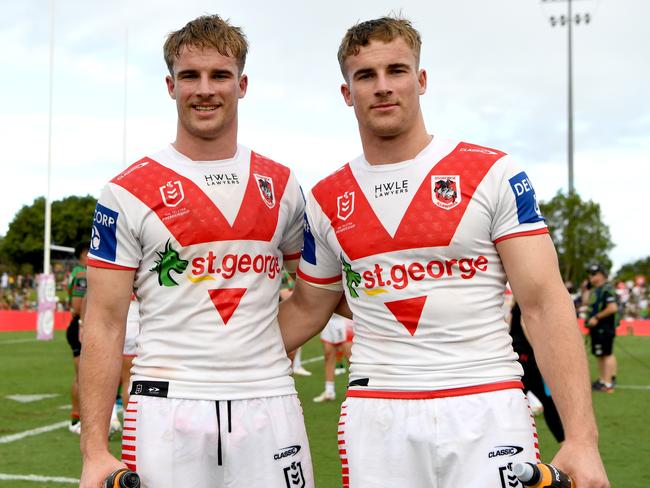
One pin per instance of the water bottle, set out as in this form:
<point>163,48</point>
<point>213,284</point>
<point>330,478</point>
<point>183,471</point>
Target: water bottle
<point>122,478</point>
<point>542,476</point>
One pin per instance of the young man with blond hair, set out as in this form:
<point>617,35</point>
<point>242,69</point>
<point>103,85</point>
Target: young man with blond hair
<point>201,231</point>
<point>421,233</point>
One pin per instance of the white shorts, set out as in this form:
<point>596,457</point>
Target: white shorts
<point>254,443</point>
<point>335,331</point>
<point>132,329</point>
<point>470,440</point>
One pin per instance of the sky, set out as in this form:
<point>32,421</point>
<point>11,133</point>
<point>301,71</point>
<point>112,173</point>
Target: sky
<point>497,76</point>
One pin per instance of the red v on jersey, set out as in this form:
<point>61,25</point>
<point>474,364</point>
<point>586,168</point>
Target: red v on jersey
<point>424,224</point>
<point>190,215</point>
<point>226,301</point>
<point>408,312</point>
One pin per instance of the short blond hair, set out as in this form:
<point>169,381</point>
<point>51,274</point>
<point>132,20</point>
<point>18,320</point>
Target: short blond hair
<point>384,29</point>
<point>207,31</point>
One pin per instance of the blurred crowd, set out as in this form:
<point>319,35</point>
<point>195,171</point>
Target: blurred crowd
<point>634,298</point>
<point>18,292</point>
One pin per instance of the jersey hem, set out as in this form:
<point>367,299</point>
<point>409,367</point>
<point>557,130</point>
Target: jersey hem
<point>520,234</point>
<point>425,395</point>
<point>219,391</point>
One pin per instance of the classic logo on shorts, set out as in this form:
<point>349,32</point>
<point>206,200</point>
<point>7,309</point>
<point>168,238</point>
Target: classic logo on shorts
<point>168,260</point>
<point>445,191</point>
<point>265,185</point>
<point>286,451</point>
<point>345,205</point>
<point>505,451</point>
<point>293,476</point>
<point>172,193</point>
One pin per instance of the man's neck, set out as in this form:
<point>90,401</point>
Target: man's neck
<point>198,149</point>
<point>389,150</point>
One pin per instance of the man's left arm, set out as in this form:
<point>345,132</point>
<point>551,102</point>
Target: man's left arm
<point>532,268</point>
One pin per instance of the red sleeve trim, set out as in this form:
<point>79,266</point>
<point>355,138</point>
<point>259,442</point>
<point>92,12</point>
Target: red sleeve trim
<point>291,257</point>
<point>520,234</point>
<point>426,395</point>
<point>317,281</point>
<point>95,263</point>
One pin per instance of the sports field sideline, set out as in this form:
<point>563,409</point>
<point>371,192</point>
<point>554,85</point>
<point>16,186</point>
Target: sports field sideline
<point>36,449</point>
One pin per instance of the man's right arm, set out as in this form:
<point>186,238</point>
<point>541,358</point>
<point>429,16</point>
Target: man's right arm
<point>305,313</point>
<point>109,295</point>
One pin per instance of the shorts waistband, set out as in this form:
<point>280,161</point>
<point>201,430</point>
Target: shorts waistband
<point>150,388</point>
<point>425,395</point>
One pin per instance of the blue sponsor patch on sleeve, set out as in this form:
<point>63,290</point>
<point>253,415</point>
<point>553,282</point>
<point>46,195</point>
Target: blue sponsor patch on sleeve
<point>103,242</point>
<point>528,210</point>
<point>309,243</point>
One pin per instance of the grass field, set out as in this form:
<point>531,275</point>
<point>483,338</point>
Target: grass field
<point>38,368</point>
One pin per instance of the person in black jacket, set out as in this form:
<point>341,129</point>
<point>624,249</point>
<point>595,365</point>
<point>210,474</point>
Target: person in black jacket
<point>532,378</point>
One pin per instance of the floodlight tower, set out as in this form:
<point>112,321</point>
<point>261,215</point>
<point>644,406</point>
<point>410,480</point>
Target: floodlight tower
<point>561,21</point>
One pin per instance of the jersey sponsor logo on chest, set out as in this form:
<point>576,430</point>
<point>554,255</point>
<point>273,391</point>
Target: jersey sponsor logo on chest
<point>445,191</point>
<point>391,188</point>
<point>211,266</point>
<point>221,179</point>
<point>376,279</point>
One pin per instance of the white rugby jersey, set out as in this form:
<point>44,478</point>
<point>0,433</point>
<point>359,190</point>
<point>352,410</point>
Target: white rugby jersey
<point>208,241</point>
<point>412,245</point>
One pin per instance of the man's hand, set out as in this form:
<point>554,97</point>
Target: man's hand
<point>97,468</point>
<point>582,462</point>
<point>592,322</point>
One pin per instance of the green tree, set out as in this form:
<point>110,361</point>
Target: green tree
<point>579,234</point>
<point>630,270</point>
<point>71,224</point>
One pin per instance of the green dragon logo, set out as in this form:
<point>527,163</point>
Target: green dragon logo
<point>352,278</point>
<point>169,261</point>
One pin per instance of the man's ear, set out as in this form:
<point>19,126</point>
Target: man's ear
<point>347,95</point>
<point>170,86</point>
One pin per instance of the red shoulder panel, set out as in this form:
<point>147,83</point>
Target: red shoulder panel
<point>190,215</point>
<point>425,223</point>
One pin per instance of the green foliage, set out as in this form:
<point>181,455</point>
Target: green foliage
<point>630,270</point>
<point>579,234</point>
<point>71,223</point>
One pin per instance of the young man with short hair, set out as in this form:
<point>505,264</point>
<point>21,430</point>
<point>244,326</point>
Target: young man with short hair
<point>201,230</point>
<point>421,233</point>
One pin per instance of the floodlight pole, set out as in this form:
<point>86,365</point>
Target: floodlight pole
<point>570,97</point>
<point>569,20</point>
<point>48,203</point>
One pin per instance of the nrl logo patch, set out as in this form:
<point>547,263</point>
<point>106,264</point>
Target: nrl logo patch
<point>445,191</point>
<point>172,193</point>
<point>265,185</point>
<point>345,205</point>
<point>293,476</point>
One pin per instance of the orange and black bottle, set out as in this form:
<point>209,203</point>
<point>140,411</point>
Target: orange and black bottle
<point>122,478</point>
<point>542,476</point>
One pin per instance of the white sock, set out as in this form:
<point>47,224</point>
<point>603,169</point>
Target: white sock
<point>114,412</point>
<point>329,387</point>
<point>297,363</point>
